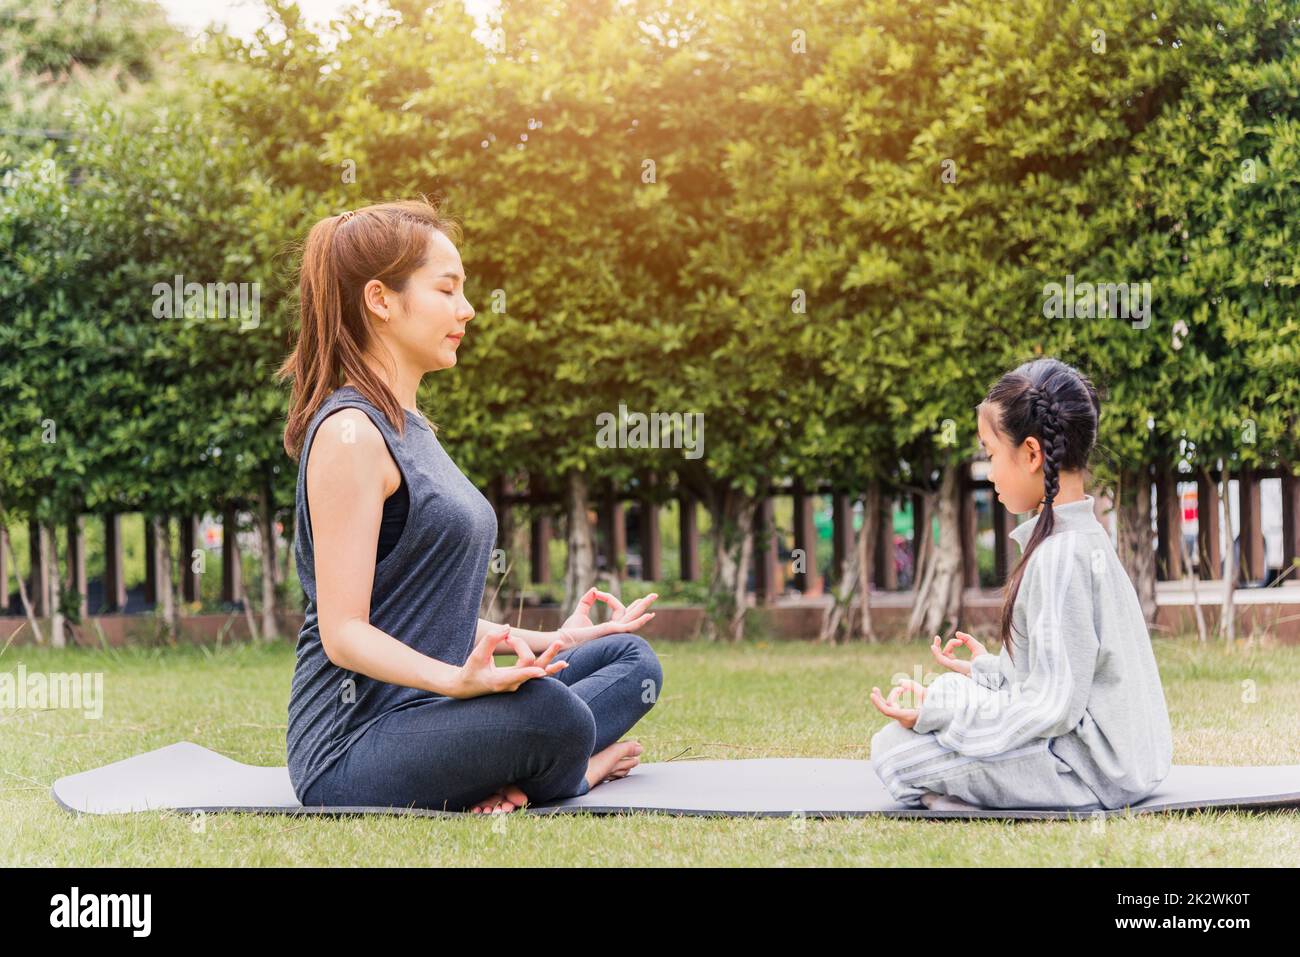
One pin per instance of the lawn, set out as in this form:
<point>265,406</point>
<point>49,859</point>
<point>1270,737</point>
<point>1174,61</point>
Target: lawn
<point>1238,705</point>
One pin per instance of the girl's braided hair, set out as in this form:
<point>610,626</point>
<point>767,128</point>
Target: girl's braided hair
<point>1057,405</point>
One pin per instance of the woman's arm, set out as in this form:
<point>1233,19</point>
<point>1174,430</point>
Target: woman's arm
<point>349,474</point>
<point>356,645</point>
<point>537,641</point>
<point>578,628</point>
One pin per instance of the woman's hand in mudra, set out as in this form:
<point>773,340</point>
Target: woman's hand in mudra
<point>579,627</point>
<point>479,675</point>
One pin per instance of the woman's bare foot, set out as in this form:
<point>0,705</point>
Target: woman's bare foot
<point>501,802</point>
<point>614,762</point>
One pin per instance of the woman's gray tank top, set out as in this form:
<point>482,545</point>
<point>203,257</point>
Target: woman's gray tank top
<point>426,591</point>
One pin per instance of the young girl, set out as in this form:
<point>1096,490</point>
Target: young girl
<point>1071,715</point>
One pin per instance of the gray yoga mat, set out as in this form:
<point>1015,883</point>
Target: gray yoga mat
<point>187,777</point>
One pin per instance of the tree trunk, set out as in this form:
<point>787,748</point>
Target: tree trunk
<point>501,566</point>
<point>580,563</point>
<point>854,579</point>
<point>839,612</point>
<point>165,594</point>
<point>289,549</point>
<point>937,600</point>
<point>1190,565</point>
<point>22,585</point>
<point>266,532</point>
<point>733,541</point>
<point>610,518</point>
<point>54,593</point>
<point>865,546</point>
<point>1136,549</point>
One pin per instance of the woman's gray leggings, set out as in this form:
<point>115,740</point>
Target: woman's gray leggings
<point>449,753</point>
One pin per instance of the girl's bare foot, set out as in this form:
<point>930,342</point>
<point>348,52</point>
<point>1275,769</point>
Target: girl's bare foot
<point>614,762</point>
<point>501,802</point>
<point>945,802</point>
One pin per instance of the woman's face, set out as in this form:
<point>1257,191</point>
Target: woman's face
<point>1015,471</point>
<point>426,320</point>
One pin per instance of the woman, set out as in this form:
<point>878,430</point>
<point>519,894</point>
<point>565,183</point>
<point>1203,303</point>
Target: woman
<point>395,698</point>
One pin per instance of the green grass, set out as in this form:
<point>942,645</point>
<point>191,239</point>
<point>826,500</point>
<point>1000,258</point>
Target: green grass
<point>1229,706</point>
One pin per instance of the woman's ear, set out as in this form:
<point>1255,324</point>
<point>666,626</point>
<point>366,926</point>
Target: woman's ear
<point>374,297</point>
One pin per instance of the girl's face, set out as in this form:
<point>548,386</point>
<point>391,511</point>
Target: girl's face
<point>427,319</point>
<point>1015,471</point>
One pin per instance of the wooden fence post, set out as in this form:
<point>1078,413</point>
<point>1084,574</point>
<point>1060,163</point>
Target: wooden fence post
<point>968,521</point>
<point>1251,532</point>
<point>4,571</point>
<point>648,533</point>
<point>1003,523</point>
<point>39,581</point>
<point>1290,524</point>
<point>920,528</point>
<point>613,524</point>
<point>767,570</point>
<point>77,564</point>
<point>232,579</point>
<point>190,589</point>
<point>539,536</point>
<point>842,537</point>
<point>805,540</point>
<point>689,534</point>
<point>1169,527</point>
<point>114,578</point>
<point>884,568</point>
<point>1207,529</point>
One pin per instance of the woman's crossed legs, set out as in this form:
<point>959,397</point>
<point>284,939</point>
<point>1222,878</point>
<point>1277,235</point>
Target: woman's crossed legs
<point>552,738</point>
<point>619,678</point>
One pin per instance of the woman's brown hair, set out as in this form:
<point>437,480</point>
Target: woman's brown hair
<point>386,241</point>
<point>1058,406</point>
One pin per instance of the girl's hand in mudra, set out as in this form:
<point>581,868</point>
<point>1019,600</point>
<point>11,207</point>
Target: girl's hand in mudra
<point>944,654</point>
<point>890,706</point>
<point>579,627</point>
<point>480,675</point>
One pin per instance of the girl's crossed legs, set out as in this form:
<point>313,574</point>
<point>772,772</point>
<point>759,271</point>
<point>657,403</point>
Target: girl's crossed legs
<point>1031,776</point>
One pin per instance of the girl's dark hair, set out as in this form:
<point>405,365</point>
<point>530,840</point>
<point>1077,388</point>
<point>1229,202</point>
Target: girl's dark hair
<point>386,241</point>
<point>1058,406</point>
